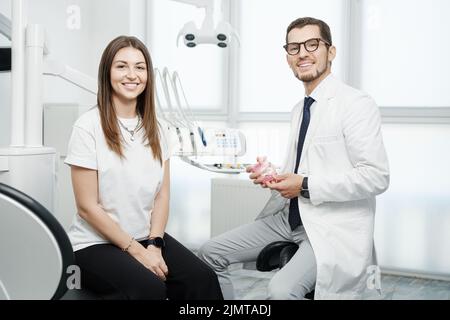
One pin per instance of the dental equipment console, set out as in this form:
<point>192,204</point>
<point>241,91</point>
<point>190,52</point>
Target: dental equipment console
<point>219,142</point>
<point>195,142</point>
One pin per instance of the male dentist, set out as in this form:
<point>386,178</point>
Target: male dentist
<point>325,199</point>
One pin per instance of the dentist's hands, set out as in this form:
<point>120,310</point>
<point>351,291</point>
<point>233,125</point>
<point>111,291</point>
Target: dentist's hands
<point>262,172</point>
<point>288,185</point>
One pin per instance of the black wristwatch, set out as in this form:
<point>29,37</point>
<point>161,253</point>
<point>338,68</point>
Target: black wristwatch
<point>305,192</point>
<point>157,242</point>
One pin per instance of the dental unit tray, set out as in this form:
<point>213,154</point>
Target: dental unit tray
<point>227,168</point>
<point>193,142</point>
<point>211,143</point>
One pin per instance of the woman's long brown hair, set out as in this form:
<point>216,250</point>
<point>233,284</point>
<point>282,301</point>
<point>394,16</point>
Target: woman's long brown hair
<point>145,107</point>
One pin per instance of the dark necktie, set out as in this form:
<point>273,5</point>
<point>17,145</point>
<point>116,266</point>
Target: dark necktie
<point>294,212</point>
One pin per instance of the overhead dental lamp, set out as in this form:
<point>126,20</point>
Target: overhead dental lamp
<point>220,34</point>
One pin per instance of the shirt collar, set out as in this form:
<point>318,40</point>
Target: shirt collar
<point>320,91</point>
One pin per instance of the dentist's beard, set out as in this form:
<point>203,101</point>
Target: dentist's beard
<point>311,76</point>
<point>308,77</point>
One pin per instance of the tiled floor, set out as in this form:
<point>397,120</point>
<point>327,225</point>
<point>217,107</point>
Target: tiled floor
<point>252,285</point>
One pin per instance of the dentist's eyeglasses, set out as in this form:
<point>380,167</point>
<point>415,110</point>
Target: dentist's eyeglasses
<point>310,45</point>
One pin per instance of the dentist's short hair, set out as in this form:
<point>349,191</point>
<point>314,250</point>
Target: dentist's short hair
<point>299,23</point>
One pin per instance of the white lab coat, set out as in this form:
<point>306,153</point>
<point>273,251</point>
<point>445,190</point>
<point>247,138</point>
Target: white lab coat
<point>345,160</point>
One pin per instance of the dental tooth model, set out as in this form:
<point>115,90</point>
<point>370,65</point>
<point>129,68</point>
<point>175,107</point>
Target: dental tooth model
<point>265,168</point>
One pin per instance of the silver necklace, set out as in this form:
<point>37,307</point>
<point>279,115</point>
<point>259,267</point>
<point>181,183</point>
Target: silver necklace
<point>131,132</point>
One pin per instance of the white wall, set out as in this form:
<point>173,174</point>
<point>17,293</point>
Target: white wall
<point>71,46</point>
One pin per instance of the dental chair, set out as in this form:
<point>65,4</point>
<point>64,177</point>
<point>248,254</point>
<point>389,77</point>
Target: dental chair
<point>275,256</point>
<point>35,251</point>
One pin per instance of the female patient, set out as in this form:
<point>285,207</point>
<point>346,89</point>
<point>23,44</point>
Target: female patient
<point>119,158</point>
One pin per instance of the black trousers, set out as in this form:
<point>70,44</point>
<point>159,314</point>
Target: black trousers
<point>114,274</point>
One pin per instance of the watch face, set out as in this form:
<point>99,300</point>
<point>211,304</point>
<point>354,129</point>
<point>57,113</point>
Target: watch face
<point>158,242</point>
<point>304,194</point>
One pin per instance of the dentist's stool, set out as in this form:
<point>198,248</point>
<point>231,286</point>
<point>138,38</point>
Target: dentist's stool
<point>276,255</point>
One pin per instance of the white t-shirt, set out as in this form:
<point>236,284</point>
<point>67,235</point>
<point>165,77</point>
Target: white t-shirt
<point>127,188</point>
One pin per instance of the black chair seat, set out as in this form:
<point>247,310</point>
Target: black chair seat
<point>269,257</point>
<point>276,255</point>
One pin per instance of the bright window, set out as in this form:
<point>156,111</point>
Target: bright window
<point>266,83</point>
<point>201,69</point>
<point>405,52</point>
<point>265,139</point>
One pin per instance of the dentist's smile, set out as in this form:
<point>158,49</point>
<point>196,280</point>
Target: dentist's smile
<point>304,65</point>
